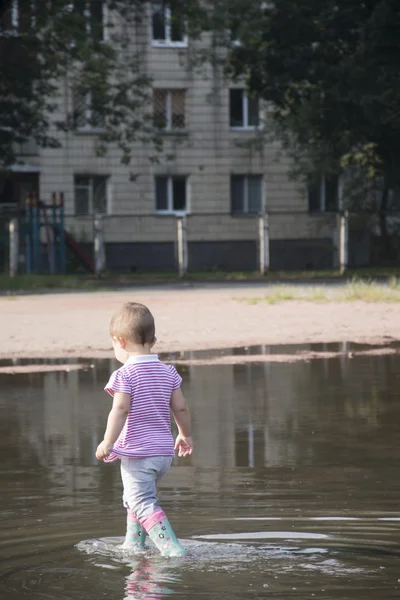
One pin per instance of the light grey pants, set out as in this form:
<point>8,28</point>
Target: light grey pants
<point>140,477</point>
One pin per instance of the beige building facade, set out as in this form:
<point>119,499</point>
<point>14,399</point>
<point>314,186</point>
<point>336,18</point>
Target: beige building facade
<point>220,176</point>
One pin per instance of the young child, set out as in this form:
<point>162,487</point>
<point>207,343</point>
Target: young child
<point>139,428</point>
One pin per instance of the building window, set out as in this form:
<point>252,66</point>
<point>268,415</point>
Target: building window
<point>27,148</point>
<point>7,195</point>
<point>94,15</point>
<point>21,15</point>
<point>91,194</point>
<point>9,17</point>
<point>98,18</point>
<point>169,109</point>
<point>87,112</point>
<point>393,199</point>
<point>15,17</point>
<point>246,194</point>
<point>324,197</point>
<point>168,29</point>
<point>171,194</point>
<point>243,109</point>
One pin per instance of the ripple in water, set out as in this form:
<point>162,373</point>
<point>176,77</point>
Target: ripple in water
<point>214,556</point>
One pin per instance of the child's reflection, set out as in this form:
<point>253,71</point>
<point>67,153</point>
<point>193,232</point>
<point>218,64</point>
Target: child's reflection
<point>147,580</point>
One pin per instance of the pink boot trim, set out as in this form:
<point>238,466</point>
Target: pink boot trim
<point>151,520</point>
<point>131,516</point>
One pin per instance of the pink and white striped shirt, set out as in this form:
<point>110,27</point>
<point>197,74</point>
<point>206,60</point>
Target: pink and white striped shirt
<point>147,429</point>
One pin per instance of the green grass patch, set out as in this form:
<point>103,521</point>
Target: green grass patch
<point>370,291</point>
<point>280,293</point>
<point>352,291</point>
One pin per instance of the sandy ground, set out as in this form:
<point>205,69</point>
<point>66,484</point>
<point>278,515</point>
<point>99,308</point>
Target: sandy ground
<point>187,318</point>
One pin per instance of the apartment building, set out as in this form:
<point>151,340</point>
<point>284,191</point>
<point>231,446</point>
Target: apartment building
<point>222,173</point>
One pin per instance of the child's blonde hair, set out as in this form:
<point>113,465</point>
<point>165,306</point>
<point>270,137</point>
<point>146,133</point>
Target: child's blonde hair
<point>133,323</point>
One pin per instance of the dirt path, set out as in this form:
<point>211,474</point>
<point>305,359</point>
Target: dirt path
<point>187,318</point>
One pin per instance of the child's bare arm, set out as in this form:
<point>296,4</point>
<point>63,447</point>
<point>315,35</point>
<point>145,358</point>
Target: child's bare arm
<point>180,410</point>
<point>115,423</point>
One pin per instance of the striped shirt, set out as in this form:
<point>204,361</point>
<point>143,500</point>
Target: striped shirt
<point>147,429</point>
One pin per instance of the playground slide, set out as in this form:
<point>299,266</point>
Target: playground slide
<point>78,251</point>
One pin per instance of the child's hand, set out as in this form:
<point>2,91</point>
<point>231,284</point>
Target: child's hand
<point>184,445</point>
<point>103,450</point>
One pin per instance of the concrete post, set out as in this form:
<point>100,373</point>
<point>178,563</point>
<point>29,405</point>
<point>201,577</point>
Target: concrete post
<point>14,247</point>
<point>343,227</point>
<point>99,249</point>
<point>181,224</point>
<point>263,237</point>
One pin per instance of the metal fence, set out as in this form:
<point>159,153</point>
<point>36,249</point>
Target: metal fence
<point>284,240</point>
<point>217,241</point>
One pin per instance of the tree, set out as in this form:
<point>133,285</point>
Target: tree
<point>45,43</point>
<point>329,72</point>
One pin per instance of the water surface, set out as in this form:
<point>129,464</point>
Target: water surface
<point>292,492</point>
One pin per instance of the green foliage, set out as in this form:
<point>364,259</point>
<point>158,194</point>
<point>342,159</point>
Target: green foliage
<point>330,73</point>
<point>67,45</point>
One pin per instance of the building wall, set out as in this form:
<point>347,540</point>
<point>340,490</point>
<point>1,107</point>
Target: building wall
<point>208,154</point>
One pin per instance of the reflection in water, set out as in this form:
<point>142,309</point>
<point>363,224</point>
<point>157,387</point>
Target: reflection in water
<point>148,580</point>
<point>289,452</point>
<point>244,415</point>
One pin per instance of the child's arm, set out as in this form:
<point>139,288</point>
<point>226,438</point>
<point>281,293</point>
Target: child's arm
<point>180,410</point>
<point>115,423</point>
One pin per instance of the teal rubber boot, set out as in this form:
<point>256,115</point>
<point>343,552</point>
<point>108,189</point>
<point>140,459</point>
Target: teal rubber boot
<point>135,537</point>
<point>164,538</point>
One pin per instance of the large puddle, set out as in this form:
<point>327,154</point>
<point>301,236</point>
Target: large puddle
<point>292,492</point>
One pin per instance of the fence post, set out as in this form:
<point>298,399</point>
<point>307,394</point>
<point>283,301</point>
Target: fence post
<point>63,258</point>
<point>343,245</point>
<point>14,247</point>
<point>36,241</point>
<point>99,251</point>
<point>55,232</point>
<point>181,224</point>
<point>28,234</point>
<point>263,236</point>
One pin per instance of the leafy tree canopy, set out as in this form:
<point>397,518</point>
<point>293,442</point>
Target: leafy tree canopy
<point>46,44</point>
<point>330,73</point>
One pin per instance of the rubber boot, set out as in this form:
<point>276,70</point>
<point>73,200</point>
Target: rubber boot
<point>162,535</point>
<point>135,534</point>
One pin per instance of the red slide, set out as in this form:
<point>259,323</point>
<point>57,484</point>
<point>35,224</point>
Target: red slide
<point>79,253</point>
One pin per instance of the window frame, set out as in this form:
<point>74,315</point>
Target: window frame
<point>104,18</point>
<point>87,14</point>
<point>15,14</point>
<point>170,200</point>
<point>245,212</point>
<point>322,197</point>
<point>167,42</point>
<point>15,20</point>
<point>91,177</point>
<point>168,110</point>
<point>88,114</point>
<point>245,110</point>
